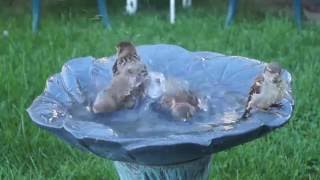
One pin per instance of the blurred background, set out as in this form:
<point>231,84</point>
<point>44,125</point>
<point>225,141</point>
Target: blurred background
<point>263,30</point>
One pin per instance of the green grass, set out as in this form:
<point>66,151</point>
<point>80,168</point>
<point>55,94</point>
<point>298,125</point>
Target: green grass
<point>26,60</point>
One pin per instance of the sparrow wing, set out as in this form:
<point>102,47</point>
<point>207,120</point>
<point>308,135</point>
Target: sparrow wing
<point>187,96</point>
<point>193,99</point>
<point>115,67</point>
<point>255,88</point>
<point>130,94</point>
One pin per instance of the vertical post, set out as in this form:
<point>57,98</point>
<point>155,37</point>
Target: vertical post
<point>189,3</point>
<point>297,12</point>
<point>172,11</point>
<point>103,12</point>
<point>35,15</point>
<point>232,6</point>
<point>131,6</point>
<point>186,3</point>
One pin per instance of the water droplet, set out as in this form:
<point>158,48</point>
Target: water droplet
<point>203,104</point>
<point>156,87</point>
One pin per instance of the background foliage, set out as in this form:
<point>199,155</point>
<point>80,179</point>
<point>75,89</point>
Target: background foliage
<point>71,29</point>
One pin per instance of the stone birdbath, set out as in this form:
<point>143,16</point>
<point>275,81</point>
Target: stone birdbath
<point>143,143</point>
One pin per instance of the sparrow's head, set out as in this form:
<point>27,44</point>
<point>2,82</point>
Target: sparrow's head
<point>125,49</point>
<point>273,72</point>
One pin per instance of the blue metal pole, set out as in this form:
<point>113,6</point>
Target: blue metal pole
<point>232,6</point>
<point>103,13</point>
<point>297,12</point>
<point>35,15</point>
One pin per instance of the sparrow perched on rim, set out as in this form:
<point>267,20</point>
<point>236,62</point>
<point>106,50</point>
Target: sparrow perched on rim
<point>130,79</point>
<point>268,89</point>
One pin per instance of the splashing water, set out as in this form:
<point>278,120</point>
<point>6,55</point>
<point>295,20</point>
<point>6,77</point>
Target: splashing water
<point>217,113</point>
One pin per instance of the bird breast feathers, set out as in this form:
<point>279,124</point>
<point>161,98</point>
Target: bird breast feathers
<point>270,93</point>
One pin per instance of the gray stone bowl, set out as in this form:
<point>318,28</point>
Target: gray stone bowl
<point>144,136</point>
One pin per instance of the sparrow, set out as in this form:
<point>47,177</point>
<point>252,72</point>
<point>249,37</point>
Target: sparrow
<point>124,92</point>
<point>182,105</point>
<point>129,82</point>
<point>129,62</point>
<point>268,89</point>
<point>179,100</point>
<point>126,54</point>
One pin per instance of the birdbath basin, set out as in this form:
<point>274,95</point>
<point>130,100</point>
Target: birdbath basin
<point>144,143</point>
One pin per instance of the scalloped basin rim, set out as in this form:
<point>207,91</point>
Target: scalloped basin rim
<point>81,78</point>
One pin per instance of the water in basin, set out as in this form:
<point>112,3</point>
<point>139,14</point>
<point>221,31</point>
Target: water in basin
<point>221,112</point>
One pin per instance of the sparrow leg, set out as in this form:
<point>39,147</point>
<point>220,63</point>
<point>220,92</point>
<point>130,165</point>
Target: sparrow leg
<point>248,109</point>
<point>276,105</point>
<point>246,113</point>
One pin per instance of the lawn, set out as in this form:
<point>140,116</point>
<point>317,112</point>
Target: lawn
<point>26,60</point>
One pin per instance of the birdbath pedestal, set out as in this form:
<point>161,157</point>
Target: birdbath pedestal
<point>196,169</point>
<point>144,143</point>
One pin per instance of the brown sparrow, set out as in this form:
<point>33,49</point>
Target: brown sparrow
<point>268,89</point>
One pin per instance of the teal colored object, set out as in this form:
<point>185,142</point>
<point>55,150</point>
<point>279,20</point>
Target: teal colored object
<point>36,7</point>
<point>193,170</point>
<point>35,14</point>
<point>232,6</point>
<point>297,12</point>
<point>234,3</point>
